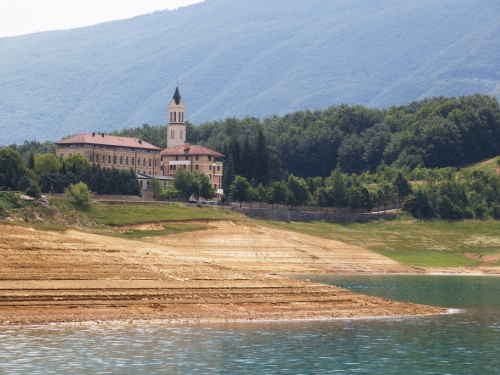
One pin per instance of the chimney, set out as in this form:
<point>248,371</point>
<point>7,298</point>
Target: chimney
<point>186,146</point>
<point>93,134</point>
<point>140,141</point>
<point>103,135</point>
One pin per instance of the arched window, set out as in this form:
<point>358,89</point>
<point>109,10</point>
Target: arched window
<point>175,116</point>
<point>126,160</point>
<point>171,116</point>
<point>121,159</point>
<point>172,134</point>
<point>182,116</point>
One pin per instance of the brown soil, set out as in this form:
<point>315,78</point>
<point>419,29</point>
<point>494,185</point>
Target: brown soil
<point>224,273</point>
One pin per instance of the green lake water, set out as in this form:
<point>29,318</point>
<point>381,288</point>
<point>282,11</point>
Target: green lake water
<point>466,341</point>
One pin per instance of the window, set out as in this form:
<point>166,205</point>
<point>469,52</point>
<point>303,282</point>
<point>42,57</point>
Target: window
<point>209,158</point>
<point>126,160</point>
<point>172,134</point>
<point>144,162</point>
<point>104,158</point>
<point>171,167</point>
<point>218,167</point>
<point>210,167</point>
<point>175,116</point>
<point>171,117</point>
<point>196,167</point>
<point>109,159</point>
<point>121,159</point>
<point>114,159</point>
<point>132,161</point>
<point>141,183</point>
<point>97,158</point>
<point>175,167</point>
<point>210,176</point>
<point>187,157</point>
<point>196,157</point>
<point>177,158</point>
<point>91,158</point>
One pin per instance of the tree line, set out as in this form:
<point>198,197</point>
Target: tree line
<point>44,173</point>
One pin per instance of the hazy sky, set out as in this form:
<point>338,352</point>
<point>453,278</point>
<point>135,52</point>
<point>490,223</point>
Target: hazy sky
<point>18,17</point>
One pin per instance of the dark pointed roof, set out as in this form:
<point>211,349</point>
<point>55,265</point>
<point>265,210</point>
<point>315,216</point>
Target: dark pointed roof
<point>177,96</point>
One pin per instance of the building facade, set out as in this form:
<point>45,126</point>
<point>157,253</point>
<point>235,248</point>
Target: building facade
<point>113,152</point>
<point>194,158</point>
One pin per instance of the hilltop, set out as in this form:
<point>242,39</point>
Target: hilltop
<point>255,58</point>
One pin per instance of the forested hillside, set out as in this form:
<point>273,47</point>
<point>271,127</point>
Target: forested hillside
<point>246,58</point>
<point>432,133</point>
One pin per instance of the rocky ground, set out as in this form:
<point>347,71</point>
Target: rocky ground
<point>224,273</point>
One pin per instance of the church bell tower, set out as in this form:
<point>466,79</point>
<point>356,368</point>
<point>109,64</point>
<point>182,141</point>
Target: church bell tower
<point>176,129</point>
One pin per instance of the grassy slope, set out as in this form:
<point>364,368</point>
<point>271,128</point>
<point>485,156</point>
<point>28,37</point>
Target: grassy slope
<point>487,166</point>
<point>412,242</point>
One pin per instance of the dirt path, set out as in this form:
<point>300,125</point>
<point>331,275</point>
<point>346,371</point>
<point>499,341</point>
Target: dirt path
<point>219,274</point>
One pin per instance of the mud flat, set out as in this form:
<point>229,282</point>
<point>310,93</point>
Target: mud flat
<point>224,273</point>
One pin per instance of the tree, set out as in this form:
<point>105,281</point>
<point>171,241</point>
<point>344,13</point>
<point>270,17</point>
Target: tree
<point>184,182</point>
<point>419,205</point>
<point>277,193</point>
<point>261,194</point>
<point>155,186</point>
<point>76,163</point>
<point>261,159</point>
<point>79,192</point>
<point>403,185</point>
<point>23,184</point>
<point>202,186</point>
<point>385,195</point>
<point>228,177</point>
<point>240,191</point>
<point>45,163</point>
<point>298,191</point>
<point>33,190</point>
<point>10,162</point>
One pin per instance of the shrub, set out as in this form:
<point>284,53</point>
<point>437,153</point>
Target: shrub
<point>79,192</point>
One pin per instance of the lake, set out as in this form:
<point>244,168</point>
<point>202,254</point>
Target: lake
<point>464,342</point>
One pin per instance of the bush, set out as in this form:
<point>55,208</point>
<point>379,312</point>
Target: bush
<point>34,190</point>
<point>79,192</point>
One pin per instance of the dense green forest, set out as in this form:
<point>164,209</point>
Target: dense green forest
<point>431,133</point>
<point>238,58</point>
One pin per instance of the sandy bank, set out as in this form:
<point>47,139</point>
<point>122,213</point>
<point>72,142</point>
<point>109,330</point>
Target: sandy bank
<point>224,273</point>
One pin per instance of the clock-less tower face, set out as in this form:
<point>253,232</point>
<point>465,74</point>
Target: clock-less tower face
<point>176,129</point>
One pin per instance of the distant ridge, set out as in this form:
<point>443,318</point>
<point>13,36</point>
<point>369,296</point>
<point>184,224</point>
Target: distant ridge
<point>238,58</point>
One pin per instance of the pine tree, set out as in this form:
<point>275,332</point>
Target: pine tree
<point>229,174</point>
<point>261,159</point>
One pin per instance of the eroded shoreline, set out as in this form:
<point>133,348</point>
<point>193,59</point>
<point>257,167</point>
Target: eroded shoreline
<point>222,274</point>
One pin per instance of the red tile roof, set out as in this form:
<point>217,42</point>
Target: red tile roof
<point>192,150</point>
<point>108,140</point>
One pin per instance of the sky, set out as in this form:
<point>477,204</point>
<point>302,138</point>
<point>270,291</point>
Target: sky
<point>19,17</point>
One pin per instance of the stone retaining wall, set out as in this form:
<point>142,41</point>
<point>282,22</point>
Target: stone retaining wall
<point>285,215</point>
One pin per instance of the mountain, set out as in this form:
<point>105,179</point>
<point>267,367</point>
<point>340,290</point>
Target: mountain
<point>246,58</point>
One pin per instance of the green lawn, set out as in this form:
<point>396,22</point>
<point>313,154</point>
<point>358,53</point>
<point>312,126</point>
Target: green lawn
<point>413,242</point>
<point>100,214</point>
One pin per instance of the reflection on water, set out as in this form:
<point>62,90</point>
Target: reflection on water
<point>461,343</point>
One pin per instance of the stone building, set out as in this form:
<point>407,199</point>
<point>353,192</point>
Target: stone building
<point>113,152</point>
<point>180,153</point>
<point>194,158</point>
